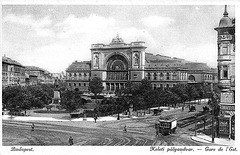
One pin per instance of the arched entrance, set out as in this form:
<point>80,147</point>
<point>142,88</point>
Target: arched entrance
<point>191,78</point>
<point>117,72</point>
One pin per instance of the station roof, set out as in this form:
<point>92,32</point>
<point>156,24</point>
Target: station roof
<point>82,65</point>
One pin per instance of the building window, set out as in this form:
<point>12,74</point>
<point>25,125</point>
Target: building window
<point>155,76</point>
<point>174,76</point>
<point>224,50</point>
<point>161,76</point>
<point>225,72</point>
<point>84,84</point>
<point>70,84</point>
<point>154,86</point>
<point>167,85</point>
<point>168,76</point>
<point>148,76</point>
<point>79,84</point>
<point>108,86</point>
<point>135,76</point>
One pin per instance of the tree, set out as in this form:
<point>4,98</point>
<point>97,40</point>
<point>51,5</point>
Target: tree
<point>214,103</point>
<point>16,98</point>
<point>180,90</point>
<point>95,86</point>
<point>145,86</point>
<point>41,95</point>
<point>71,100</point>
<point>192,92</point>
<point>145,90</point>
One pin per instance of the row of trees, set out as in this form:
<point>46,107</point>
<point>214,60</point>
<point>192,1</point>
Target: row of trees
<point>142,96</point>
<point>19,98</point>
<point>24,98</point>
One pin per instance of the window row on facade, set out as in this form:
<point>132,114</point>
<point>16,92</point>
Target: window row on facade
<point>163,85</point>
<point>166,76</point>
<point>77,76</point>
<point>207,77</point>
<point>78,84</point>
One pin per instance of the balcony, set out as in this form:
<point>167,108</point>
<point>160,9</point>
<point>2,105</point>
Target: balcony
<point>224,58</point>
<point>97,45</point>
<point>224,84</point>
<point>140,43</point>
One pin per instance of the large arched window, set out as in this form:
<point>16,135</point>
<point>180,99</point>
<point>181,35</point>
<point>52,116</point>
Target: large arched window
<point>117,67</point>
<point>191,78</point>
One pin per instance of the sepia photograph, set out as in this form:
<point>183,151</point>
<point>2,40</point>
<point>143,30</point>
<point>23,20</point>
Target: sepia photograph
<point>158,76</point>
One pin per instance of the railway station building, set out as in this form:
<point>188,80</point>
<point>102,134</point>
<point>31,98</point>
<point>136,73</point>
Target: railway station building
<point>118,62</point>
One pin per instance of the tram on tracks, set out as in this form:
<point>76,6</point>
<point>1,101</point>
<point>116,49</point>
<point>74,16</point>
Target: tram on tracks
<point>166,125</point>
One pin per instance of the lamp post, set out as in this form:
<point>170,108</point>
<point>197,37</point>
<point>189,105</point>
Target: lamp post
<point>195,126</point>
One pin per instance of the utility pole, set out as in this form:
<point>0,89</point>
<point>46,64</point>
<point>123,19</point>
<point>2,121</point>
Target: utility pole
<point>212,113</point>
<point>195,125</point>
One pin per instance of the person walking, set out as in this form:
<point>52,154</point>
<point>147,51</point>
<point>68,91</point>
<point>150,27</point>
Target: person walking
<point>32,126</point>
<point>125,128</point>
<point>157,129</point>
<point>70,140</point>
<point>95,118</point>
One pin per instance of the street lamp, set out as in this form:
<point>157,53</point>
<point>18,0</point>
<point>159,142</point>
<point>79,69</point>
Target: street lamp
<point>213,125</point>
<point>195,125</point>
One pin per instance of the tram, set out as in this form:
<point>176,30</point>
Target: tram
<point>166,125</point>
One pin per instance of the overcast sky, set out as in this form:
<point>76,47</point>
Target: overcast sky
<point>53,36</point>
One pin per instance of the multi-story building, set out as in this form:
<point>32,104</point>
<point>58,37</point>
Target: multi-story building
<point>118,62</point>
<point>226,73</point>
<point>78,75</point>
<point>13,73</point>
<point>59,76</point>
<point>42,75</point>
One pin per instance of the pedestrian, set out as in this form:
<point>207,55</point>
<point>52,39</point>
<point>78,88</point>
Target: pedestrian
<point>32,126</point>
<point>70,140</point>
<point>125,128</point>
<point>157,129</point>
<point>95,118</point>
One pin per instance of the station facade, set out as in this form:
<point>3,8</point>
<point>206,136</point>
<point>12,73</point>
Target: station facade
<point>119,62</point>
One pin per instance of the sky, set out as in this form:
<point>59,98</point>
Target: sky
<point>54,36</point>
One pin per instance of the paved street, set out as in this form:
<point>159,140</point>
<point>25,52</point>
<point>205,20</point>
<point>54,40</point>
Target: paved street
<point>140,132</point>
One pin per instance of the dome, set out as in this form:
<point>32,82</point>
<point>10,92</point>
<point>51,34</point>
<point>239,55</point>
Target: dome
<point>225,21</point>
